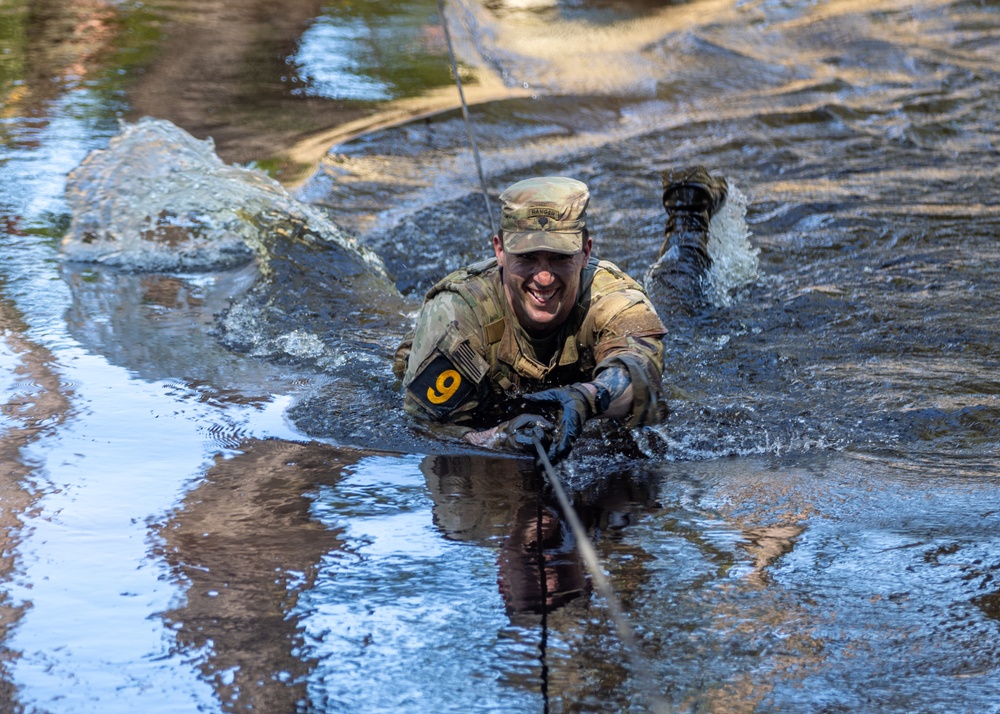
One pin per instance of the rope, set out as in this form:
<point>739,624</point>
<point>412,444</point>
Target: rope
<point>601,582</point>
<point>544,591</point>
<point>587,551</point>
<point>465,115</point>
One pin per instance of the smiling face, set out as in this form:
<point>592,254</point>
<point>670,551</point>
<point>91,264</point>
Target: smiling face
<point>541,286</point>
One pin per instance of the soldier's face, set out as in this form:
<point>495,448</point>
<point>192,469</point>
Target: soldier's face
<point>541,286</point>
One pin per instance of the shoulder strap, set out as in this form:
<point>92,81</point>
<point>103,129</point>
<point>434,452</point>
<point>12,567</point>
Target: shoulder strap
<point>479,287</point>
<point>603,277</point>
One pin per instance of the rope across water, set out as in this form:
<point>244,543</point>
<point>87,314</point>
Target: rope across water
<point>601,583</point>
<point>465,115</point>
<point>587,551</point>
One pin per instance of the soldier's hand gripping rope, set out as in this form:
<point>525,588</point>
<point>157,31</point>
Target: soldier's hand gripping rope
<point>521,432</point>
<point>577,403</point>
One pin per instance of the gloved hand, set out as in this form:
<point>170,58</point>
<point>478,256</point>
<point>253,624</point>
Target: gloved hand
<point>519,433</point>
<point>577,405</point>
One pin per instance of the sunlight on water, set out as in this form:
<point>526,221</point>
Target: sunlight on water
<point>555,47</point>
<point>333,61</point>
<point>815,525</point>
<point>402,606</point>
<point>103,484</point>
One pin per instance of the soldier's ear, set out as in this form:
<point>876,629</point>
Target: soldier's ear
<point>498,249</point>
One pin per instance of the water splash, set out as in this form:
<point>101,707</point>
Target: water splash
<point>158,199</point>
<point>735,262</point>
<point>677,282</point>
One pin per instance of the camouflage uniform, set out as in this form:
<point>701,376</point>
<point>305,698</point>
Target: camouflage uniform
<point>468,360</point>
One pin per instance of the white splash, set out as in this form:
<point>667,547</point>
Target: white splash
<point>735,262</point>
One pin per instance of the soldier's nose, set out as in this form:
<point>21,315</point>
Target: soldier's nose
<point>544,277</point>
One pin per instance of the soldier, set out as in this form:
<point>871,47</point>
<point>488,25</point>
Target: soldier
<point>542,326</point>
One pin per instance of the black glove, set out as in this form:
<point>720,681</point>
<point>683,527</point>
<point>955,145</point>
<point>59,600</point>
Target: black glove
<point>577,405</point>
<point>519,433</point>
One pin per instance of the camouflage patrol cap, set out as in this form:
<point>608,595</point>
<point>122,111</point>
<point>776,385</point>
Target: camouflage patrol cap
<point>544,213</point>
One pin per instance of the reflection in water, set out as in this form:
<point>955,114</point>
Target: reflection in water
<point>158,325</point>
<point>792,585</point>
<point>59,44</point>
<point>865,131</point>
<point>407,609</point>
<point>281,84</point>
<point>505,502</point>
<point>539,566</point>
<point>489,499</point>
<point>374,51</point>
<point>222,71</point>
<point>37,403</point>
<point>766,545</point>
<point>244,544</point>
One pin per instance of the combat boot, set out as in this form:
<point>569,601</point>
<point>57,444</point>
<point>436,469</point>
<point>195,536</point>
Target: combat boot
<point>691,196</point>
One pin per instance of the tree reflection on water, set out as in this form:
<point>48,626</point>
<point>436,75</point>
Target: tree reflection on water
<point>243,545</point>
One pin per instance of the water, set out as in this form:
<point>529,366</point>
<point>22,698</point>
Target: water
<point>205,513</point>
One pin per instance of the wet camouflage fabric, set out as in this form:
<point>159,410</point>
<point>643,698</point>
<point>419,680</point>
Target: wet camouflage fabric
<point>544,213</point>
<point>467,362</point>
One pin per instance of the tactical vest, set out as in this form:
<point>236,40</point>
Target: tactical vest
<point>602,284</point>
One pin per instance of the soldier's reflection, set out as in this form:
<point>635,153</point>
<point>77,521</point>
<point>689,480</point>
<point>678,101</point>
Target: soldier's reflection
<point>496,500</point>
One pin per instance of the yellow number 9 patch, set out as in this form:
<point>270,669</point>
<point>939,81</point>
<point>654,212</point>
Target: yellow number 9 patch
<point>445,386</point>
<point>440,387</point>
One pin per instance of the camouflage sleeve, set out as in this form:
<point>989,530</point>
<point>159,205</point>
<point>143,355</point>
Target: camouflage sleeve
<point>630,335</point>
<point>444,365</point>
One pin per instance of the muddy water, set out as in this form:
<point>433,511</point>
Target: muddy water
<point>190,527</point>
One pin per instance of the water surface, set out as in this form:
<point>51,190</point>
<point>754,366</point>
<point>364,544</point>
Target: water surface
<point>188,527</point>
